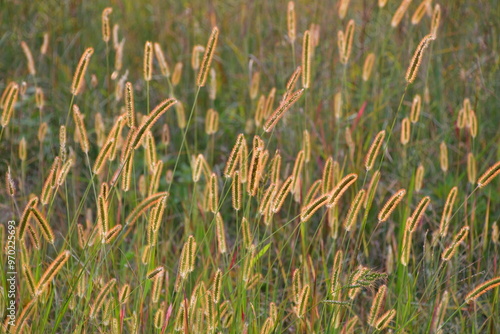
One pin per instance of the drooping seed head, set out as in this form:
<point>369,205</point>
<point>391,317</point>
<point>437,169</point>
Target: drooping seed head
<point>343,7</point>
<point>489,175</point>
<point>306,59</point>
<point>80,71</point>
<point>400,12</point>
<point>443,156</point>
<point>207,58</point>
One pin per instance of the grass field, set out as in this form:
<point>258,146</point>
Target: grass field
<point>250,166</point>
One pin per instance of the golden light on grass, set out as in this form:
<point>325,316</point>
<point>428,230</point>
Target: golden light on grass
<point>391,205</point>
<point>291,19</point>
<point>377,305</point>
<point>357,202</point>
<point>443,156</point>
<point>419,12</point>
<point>471,168</point>
<point>207,58</point>
<point>436,20</point>
<point>160,57</point>
<point>341,188</point>
<point>306,59</point>
<point>314,206</point>
<point>29,58</point>
<point>282,109</point>
<point>343,7</point>
<point>99,300</point>
<point>105,26</point>
<point>51,272</point>
<point>405,131</point>
<point>453,247</point>
<point>368,66</point>
<point>8,103</point>
<point>400,12</point>
<point>447,211</point>
<point>80,71</point>
<point>411,72</point>
<point>372,154</point>
<point>148,61</point>
<point>489,175</point>
<point>415,108</point>
<point>418,213</point>
<point>482,289</point>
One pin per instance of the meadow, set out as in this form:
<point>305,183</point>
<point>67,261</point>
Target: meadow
<point>250,166</point>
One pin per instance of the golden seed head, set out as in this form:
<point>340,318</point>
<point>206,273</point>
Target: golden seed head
<point>415,108</point>
<point>419,12</point>
<point>148,61</point>
<point>29,58</point>
<point>45,44</point>
<point>306,59</point>
<point>447,211</point>
<point>160,57</point>
<point>471,168</point>
<point>352,214</point>
<point>368,66</point>
<point>481,289</point>
<point>9,99</point>
<point>419,177</point>
<point>489,175</point>
<point>337,105</point>
<point>176,76</point>
<point>405,131</point>
<point>412,70</point>
<point>9,181</point>
<point>436,18</point>
<point>400,12</point>
<point>390,205</point>
<point>372,154</point>
<point>78,77</point>
<point>343,7</point>
<point>282,109</point>
<point>377,305</point>
<point>254,85</point>
<point>106,29</point>
<point>207,58</point>
<point>195,56</point>
<point>291,21</point>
